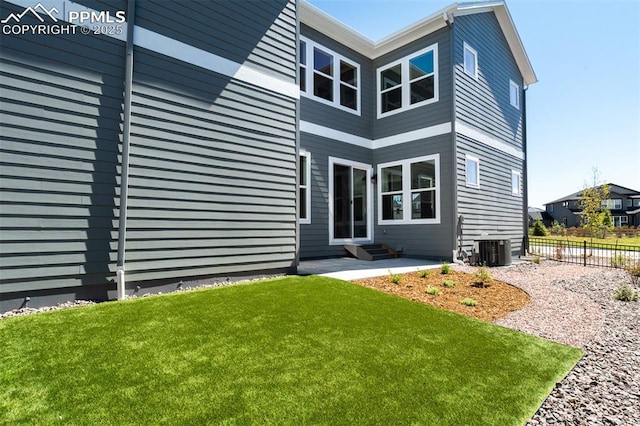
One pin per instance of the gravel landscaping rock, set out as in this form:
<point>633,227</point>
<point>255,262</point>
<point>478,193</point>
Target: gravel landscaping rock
<point>573,305</point>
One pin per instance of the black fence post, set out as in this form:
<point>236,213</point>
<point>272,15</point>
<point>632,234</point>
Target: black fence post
<point>584,252</point>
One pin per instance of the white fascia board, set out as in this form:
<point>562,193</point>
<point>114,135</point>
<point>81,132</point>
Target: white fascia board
<point>510,33</point>
<point>338,31</point>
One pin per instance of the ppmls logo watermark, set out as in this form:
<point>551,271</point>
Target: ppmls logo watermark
<point>53,22</point>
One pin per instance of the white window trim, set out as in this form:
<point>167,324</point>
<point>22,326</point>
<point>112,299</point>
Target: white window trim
<point>406,191</point>
<point>309,69</point>
<point>340,241</point>
<point>517,191</point>
<point>466,171</point>
<point>307,201</point>
<point>514,102</point>
<point>471,50</point>
<point>405,86</point>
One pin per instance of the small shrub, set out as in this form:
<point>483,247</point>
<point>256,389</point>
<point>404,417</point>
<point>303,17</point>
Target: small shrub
<point>536,260</point>
<point>633,270</point>
<point>618,261</point>
<point>425,273</point>
<point>395,278</point>
<point>449,283</point>
<point>560,245</point>
<point>482,276</point>
<point>558,228</point>
<point>445,269</point>
<point>625,293</point>
<point>539,230</point>
<point>469,302</point>
<point>434,291</point>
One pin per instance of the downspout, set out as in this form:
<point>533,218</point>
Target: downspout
<point>525,184</point>
<point>126,132</point>
<point>454,141</point>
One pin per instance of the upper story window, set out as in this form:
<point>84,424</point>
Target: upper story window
<point>409,191</point>
<point>409,82</point>
<point>470,61</point>
<point>550,208</point>
<point>612,204</point>
<point>329,77</point>
<point>514,94</point>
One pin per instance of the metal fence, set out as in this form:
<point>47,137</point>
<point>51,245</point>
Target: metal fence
<point>585,253</point>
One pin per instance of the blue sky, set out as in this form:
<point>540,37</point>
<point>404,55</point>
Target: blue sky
<point>584,112</point>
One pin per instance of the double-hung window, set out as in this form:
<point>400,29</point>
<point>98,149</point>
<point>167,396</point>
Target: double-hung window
<point>329,77</point>
<point>409,82</point>
<point>409,191</point>
<point>304,196</point>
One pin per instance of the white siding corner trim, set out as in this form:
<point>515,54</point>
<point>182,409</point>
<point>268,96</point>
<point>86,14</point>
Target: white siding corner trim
<point>329,133</point>
<point>486,139</point>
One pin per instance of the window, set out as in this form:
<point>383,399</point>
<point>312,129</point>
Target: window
<point>620,221</point>
<point>409,191</point>
<point>516,184</point>
<point>409,82</point>
<point>304,196</point>
<point>472,171</point>
<point>329,77</point>
<point>612,204</point>
<point>470,61</point>
<point>636,203</point>
<point>303,65</point>
<point>514,94</point>
<point>550,208</point>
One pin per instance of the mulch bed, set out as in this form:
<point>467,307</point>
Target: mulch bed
<point>495,300</point>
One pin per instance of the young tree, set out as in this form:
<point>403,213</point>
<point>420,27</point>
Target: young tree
<point>595,216</point>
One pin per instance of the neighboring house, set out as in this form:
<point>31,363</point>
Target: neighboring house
<point>248,135</point>
<point>539,214</point>
<point>624,204</point>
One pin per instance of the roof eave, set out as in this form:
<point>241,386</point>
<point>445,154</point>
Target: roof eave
<point>342,33</point>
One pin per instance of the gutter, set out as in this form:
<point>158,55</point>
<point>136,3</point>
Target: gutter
<point>126,141</point>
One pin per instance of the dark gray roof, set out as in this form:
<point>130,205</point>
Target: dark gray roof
<point>617,189</point>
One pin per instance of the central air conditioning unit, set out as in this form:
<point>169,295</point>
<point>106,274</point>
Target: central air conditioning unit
<point>493,252</point>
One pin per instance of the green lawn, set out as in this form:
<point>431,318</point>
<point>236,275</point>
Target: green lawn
<point>286,351</point>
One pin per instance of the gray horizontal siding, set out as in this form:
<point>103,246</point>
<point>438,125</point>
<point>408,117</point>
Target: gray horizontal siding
<point>427,241</point>
<point>256,32</point>
<point>213,164</point>
<point>485,103</point>
<point>212,177</point>
<point>428,115</point>
<point>60,130</point>
<point>314,237</point>
<point>334,118</point>
<point>491,211</point>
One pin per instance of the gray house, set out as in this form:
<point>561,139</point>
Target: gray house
<point>416,141</point>
<point>623,203</point>
<point>148,144</point>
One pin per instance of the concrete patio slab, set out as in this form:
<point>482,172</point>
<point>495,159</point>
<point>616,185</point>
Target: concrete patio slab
<point>346,268</point>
